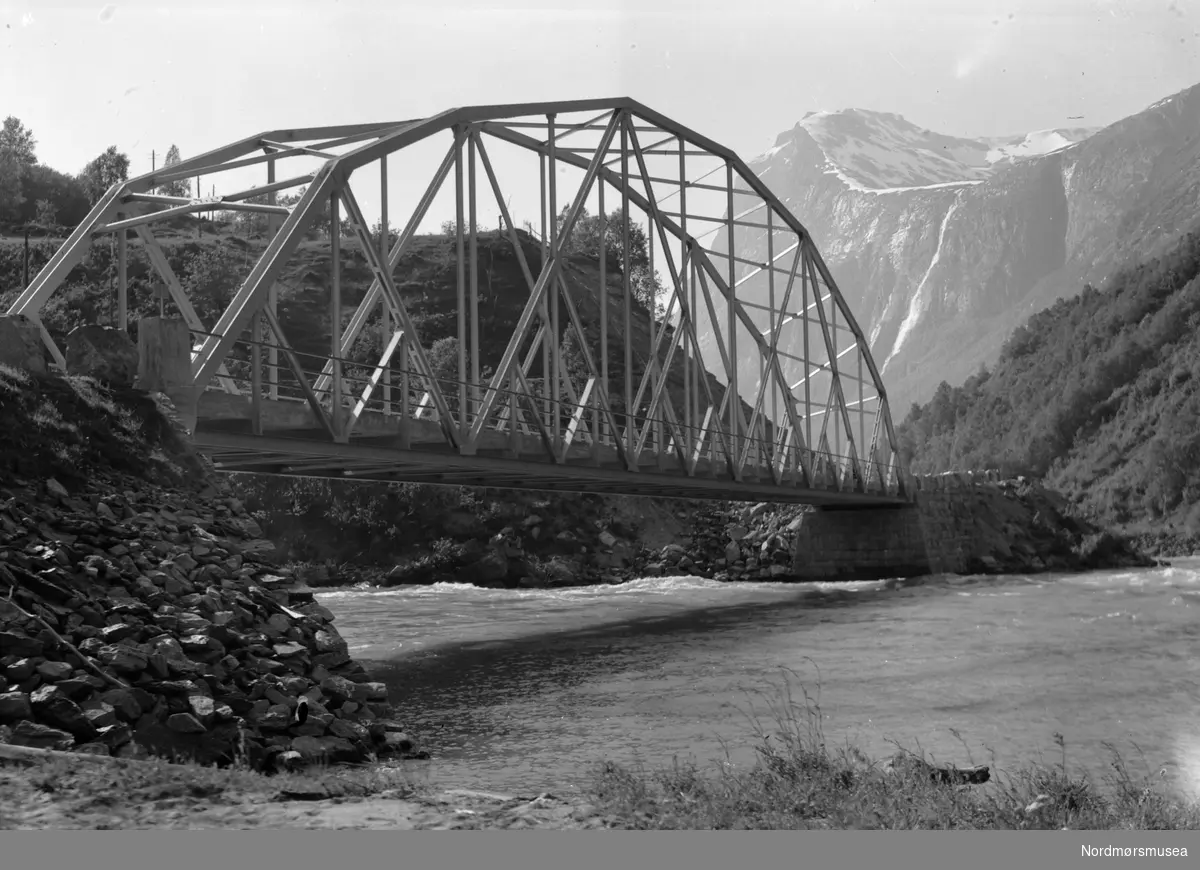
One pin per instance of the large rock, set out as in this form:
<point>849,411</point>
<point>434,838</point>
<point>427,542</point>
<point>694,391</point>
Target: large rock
<point>122,659</point>
<point>14,706</point>
<point>21,344</point>
<point>104,353</point>
<point>17,644</point>
<point>125,703</point>
<point>28,733</point>
<point>489,570</point>
<point>54,708</point>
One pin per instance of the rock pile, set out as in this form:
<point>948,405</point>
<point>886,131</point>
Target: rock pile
<point>733,542</point>
<point>141,620</point>
<point>534,552</point>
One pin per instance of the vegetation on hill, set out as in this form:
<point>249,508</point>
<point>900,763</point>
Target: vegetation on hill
<point>1098,395</point>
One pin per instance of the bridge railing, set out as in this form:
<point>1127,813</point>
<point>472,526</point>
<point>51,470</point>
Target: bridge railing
<point>948,481</point>
<point>395,393</point>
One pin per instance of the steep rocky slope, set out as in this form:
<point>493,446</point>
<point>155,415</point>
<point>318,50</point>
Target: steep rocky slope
<point>943,245</point>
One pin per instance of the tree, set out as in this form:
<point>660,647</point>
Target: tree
<point>179,187</point>
<point>66,193</point>
<point>47,214</point>
<point>17,141</point>
<point>585,239</point>
<point>111,167</point>
<point>443,359</point>
<point>393,234</point>
<point>11,197</point>
<point>16,156</point>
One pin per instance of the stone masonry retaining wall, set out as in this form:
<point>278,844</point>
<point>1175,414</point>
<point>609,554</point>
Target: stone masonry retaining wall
<point>954,524</point>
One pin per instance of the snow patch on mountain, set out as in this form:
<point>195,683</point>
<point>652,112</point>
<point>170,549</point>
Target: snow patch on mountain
<point>1035,144</point>
<point>881,153</point>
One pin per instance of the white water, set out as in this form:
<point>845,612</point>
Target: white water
<point>523,690</point>
<point>920,300</point>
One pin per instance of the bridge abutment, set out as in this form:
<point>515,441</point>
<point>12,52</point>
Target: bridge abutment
<point>165,364</point>
<point>939,532</point>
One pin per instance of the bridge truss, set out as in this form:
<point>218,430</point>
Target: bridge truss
<point>752,380</point>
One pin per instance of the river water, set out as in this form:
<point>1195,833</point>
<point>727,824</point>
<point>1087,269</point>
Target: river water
<point>523,690</point>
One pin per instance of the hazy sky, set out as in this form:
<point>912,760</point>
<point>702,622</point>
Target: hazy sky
<point>145,74</point>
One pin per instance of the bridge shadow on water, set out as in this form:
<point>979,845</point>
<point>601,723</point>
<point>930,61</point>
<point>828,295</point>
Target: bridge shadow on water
<point>458,676</point>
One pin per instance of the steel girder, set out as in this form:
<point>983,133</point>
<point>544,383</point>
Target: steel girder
<point>754,375</point>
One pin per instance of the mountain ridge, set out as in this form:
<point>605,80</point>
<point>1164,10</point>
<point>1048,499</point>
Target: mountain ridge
<point>940,259</point>
<point>908,154</point>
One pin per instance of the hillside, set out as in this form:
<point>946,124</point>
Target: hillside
<point>212,266</point>
<point>943,245</point>
<point>1099,394</point>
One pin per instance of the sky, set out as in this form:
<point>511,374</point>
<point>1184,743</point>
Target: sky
<point>145,74</point>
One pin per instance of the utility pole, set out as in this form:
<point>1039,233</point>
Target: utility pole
<point>153,165</point>
<point>26,282</point>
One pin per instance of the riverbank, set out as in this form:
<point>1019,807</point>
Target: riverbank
<point>797,782</point>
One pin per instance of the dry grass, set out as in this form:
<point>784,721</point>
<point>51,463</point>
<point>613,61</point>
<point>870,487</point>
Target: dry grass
<point>70,427</point>
<point>78,793</point>
<point>798,782</point>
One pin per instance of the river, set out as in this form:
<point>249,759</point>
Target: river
<point>523,690</point>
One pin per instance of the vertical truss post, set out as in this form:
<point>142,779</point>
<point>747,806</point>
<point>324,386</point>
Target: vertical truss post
<point>472,219</point>
<point>625,293</point>
<point>545,306</point>
<point>657,373</point>
<point>273,293</point>
<point>122,280</point>
<point>553,334</point>
<point>603,300</point>
<point>773,317</point>
<point>405,362</point>
<point>734,397</point>
<point>843,460</point>
<point>514,428</point>
<point>862,410</point>
<point>256,372</point>
<point>808,442</point>
<point>385,320</point>
<point>462,278</point>
<point>335,311</point>
<point>689,424</point>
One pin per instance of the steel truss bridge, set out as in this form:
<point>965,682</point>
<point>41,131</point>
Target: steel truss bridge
<point>754,382</point>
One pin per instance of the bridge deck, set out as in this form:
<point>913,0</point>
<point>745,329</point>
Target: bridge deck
<point>393,448</point>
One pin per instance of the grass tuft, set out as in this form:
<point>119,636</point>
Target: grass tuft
<point>798,781</point>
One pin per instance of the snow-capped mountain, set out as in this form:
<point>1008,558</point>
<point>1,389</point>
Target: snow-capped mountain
<point>877,151</point>
<point>942,245</point>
